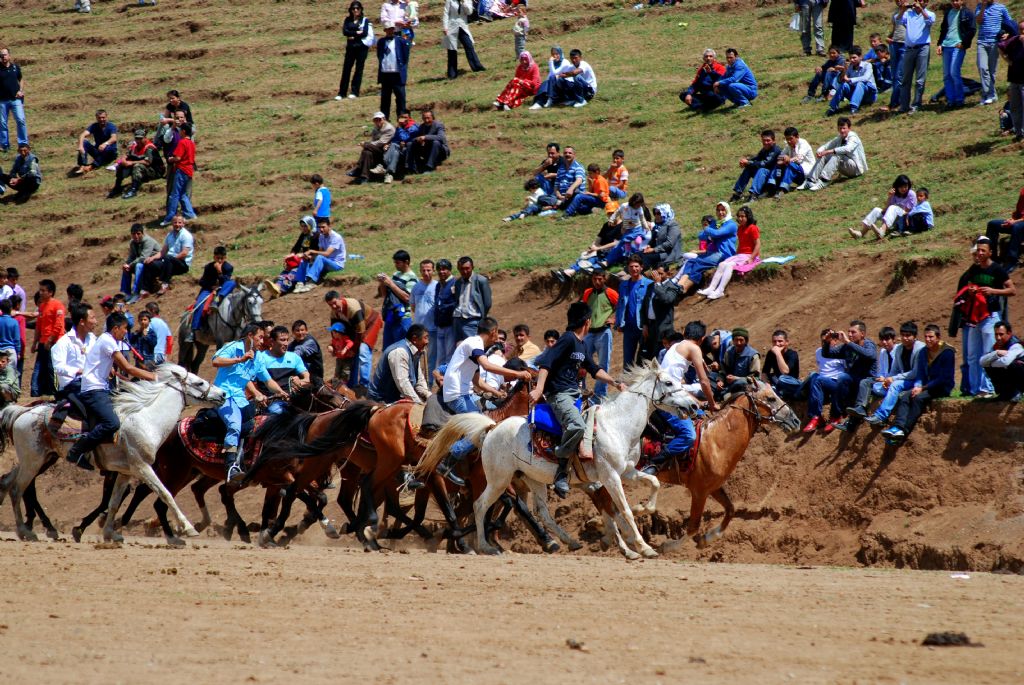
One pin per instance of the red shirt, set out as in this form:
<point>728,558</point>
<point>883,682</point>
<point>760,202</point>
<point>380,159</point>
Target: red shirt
<point>186,154</point>
<point>747,236</point>
<point>50,324</point>
<point>1018,212</point>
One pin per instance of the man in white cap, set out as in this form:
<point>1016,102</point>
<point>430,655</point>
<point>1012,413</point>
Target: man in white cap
<point>371,156</point>
<point>392,70</point>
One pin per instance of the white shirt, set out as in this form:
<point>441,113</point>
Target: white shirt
<point>389,62</point>
<point>458,379</point>
<point>587,75</point>
<point>803,155</point>
<point>5,293</point>
<point>68,355</point>
<point>493,379</point>
<point>675,364</point>
<point>98,362</point>
<point>393,12</point>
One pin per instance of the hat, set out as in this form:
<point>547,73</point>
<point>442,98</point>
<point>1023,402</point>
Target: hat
<point>379,115</point>
<point>337,328</point>
<point>740,332</point>
<point>140,133</point>
<point>389,25</point>
<point>578,315</point>
<point>107,301</point>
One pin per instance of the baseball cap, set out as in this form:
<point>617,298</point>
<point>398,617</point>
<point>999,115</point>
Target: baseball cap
<point>337,328</point>
<point>379,115</point>
<point>140,133</point>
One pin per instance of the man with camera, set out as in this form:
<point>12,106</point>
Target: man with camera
<point>397,293</point>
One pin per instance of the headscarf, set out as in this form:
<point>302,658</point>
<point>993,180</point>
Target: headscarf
<point>667,214</point>
<point>529,71</point>
<point>309,222</point>
<point>529,59</point>
<point>728,212</point>
<point>561,54</point>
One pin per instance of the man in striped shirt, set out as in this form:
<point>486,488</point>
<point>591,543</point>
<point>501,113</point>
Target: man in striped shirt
<point>993,20</point>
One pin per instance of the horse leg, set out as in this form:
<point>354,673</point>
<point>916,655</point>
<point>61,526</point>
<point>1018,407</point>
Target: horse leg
<point>652,482</point>
<point>268,534</point>
<point>368,515</point>
<point>145,473</point>
<point>271,506</point>
<point>481,507</point>
<point>325,523</point>
<point>697,502</point>
<point>108,487</point>
<point>19,484</point>
<point>116,495</point>
<point>346,499</point>
<point>35,508</point>
<point>610,479</point>
<point>142,491</point>
<point>199,489</point>
<point>730,511</point>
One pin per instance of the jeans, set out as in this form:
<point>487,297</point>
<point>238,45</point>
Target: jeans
<point>909,410</point>
<point>464,328</point>
<point>463,404</point>
<point>355,56</point>
<point>892,396</point>
<point>391,84</point>
<point>787,387</point>
<point>1016,231</point>
<point>988,58</point>
<point>471,56</point>
<point>392,156</point>
<point>231,414</point>
<point>573,91</point>
<point>694,268</point>
<point>18,107</point>
<point>200,304</point>
<point>704,102</point>
<point>952,63</point>
<point>600,343</point>
<point>104,421</point>
<point>759,176</point>
<point>277,407</point>
<point>785,177</point>
<point>810,21</point>
<point>583,203</point>
<point>319,267</point>
<point>914,70</point>
<point>684,434</point>
<point>868,387</point>
<point>43,380</point>
<point>362,367</point>
<point>164,268</point>
<point>738,93</point>
<point>857,93</point>
<point>445,344</point>
<point>131,281</point>
<point>431,356</point>
<point>99,157</point>
<point>816,402</point>
<point>563,406</point>
<point>616,193</point>
<point>827,81</point>
<point>179,196</point>
<point>1015,93</point>
<point>632,336</point>
<point>896,51</point>
<point>978,341</point>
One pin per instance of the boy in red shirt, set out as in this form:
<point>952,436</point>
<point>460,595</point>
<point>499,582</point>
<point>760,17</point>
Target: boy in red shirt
<point>49,329</point>
<point>184,162</point>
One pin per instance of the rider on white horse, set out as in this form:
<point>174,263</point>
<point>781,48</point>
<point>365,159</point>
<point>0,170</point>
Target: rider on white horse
<point>561,364</point>
<point>677,362</point>
<point>68,353</point>
<point>95,394</point>
<point>237,367</point>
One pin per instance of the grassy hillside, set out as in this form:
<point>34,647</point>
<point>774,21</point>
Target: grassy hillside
<point>261,76</point>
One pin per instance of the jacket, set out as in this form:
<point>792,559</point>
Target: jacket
<point>398,375</point>
<point>631,296</point>
<point>661,298</point>
<point>851,149</point>
<point>455,18</point>
<point>444,305</point>
<point>402,54</point>
<point>861,360</point>
<point>379,137</point>
<point>937,376</point>
<point>667,242</point>
<point>739,72</point>
<point>480,294</point>
<point>896,370</point>
<point>355,31</point>
<point>706,77</point>
<point>764,159</point>
<point>142,250</point>
<point>967,24</point>
<point>436,131</point>
<point>27,167</point>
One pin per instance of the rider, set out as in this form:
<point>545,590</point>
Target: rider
<point>679,359</point>
<point>68,353</point>
<point>95,395</point>
<point>217,277</point>
<point>561,363</point>
<point>237,367</point>
<point>399,373</point>
<point>286,368</point>
<point>469,357</point>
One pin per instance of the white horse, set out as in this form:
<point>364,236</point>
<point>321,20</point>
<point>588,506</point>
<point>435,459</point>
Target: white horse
<point>505,450</point>
<point>148,410</point>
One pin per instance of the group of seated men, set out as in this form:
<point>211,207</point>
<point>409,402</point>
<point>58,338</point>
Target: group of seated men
<point>410,148</point>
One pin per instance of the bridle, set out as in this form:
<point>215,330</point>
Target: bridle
<point>664,395</point>
<point>759,419</point>
<point>182,388</point>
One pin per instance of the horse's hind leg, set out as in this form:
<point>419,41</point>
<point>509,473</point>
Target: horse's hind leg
<point>730,511</point>
<point>515,503</point>
<point>34,508</point>
<point>234,520</point>
<point>610,479</point>
<point>698,500</point>
<point>108,487</point>
<point>116,495</point>
<point>142,491</point>
<point>199,490</point>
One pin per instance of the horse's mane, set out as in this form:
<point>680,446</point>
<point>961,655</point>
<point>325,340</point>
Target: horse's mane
<point>644,371</point>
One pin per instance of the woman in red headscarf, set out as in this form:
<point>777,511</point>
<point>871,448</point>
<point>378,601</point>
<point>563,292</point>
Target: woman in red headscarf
<point>523,85</point>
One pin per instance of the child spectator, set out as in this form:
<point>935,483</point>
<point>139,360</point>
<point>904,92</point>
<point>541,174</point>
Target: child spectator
<point>321,197</point>
<point>792,165</point>
<point>143,339</point>
<point>551,336</point>
<point>882,66</point>
<point>10,387</point>
<point>875,41</point>
<point>520,29</point>
<point>535,201</point>
<point>748,239</point>
<point>825,76</point>
<point>901,200</point>
<point>757,168</point>
<point>933,377</point>
<point>857,85</point>
<point>918,220</point>
<point>596,194</point>
<point>618,176</point>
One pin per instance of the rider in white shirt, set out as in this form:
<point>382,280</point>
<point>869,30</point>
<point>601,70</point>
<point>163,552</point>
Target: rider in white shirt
<point>68,353</point>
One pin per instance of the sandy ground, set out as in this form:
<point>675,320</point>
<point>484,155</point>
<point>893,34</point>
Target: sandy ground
<point>217,612</point>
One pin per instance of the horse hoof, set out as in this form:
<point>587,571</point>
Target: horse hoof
<point>369,534</point>
<point>631,555</point>
<point>28,536</point>
<point>649,553</point>
<point>226,531</point>
<point>190,531</point>
<point>551,547</point>
<point>174,541</point>
<point>112,536</point>
<point>245,538</point>
<point>490,551</point>
<point>331,532</point>
<point>265,540</point>
<point>575,546</point>
<point>53,534</point>
<point>291,532</point>
<point>76,534</point>
<point>202,525</point>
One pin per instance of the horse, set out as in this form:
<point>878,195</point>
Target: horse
<point>224,323</point>
<point>506,449</point>
<point>148,411</point>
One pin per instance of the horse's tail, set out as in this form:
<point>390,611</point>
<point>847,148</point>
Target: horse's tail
<point>473,427</point>
<point>8,415</point>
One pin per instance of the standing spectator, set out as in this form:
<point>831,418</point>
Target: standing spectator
<point>360,325</point>
<point>393,69</point>
<point>25,176</point>
<point>143,339</point>
<point>424,297</point>
<point>934,377</point>
<point>897,45</point>
<point>102,149</point>
<point>10,335</point>
<point>49,329</point>
<point>757,167</point>
<point>430,148</point>
<point>738,85</point>
<point>520,30</point>
<point>701,95</point>
<point>397,293</point>
<point>176,104</point>
<point>12,281</point>
<point>1013,50</point>
<point>955,36</point>
<point>444,311</point>
<point>659,310</point>
<point>455,25</point>
<point>140,248</point>
<point>12,99</point>
<point>473,296</point>
<point>781,368</point>
<point>842,15</point>
<point>321,197</point>
<point>629,313</point>
<point>792,165</point>
<point>164,339</point>
<point>993,20</point>
<point>184,161</point>
<point>1004,364</point>
<point>918,20</point>
<point>748,250</point>
<point>811,23</point>
<point>1015,227</point>
<point>603,302</point>
<point>330,256</point>
<point>984,280</point>
<point>174,258</point>
<point>857,84</point>
<point>523,85</point>
<point>308,349</point>
<point>141,163</point>
<point>843,155</point>
<point>358,39</point>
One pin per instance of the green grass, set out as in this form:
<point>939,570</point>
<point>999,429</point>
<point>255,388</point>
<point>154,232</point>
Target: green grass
<point>260,77</point>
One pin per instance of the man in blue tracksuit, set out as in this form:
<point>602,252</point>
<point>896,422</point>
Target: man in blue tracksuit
<point>629,314</point>
<point>738,84</point>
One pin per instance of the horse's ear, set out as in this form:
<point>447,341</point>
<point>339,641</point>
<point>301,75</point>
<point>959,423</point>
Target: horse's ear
<point>261,287</point>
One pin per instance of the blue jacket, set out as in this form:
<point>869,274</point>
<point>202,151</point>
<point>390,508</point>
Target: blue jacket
<point>402,51</point>
<point>861,360</point>
<point>723,238</point>
<point>739,72</point>
<point>937,377</point>
<point>631,299</point>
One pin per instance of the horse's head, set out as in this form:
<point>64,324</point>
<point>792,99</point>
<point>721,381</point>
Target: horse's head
<point>770,406</point>
<point>194,389</point>
<point>252,306</point>
<point>670,394</point>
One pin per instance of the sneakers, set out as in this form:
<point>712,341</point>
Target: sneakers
<point>352,96</point>
<point>535,105</point>
<point>894,434</point>
<point>133,299</point>
<point>580,103</point>
<point>806,99</point>
<point>303,287</point>
<point>129,194</point>
<point>379,170</point>
<point>844,426</point>
<point>165,222</point>
<point>704,292</point>
<point>855,233</point>
<point>497,105</point>
<point>858,410</point>
<point>812,425</point>
<point>338,97</point>
<point>879,231</point>
<point>715,295</point>
<point>735,197</point>
<point>388,178</point>
<point>875,420</point>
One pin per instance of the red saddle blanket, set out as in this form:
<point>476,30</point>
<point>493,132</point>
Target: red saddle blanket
<point>544,445</point>
<point>213,452</point>
<point>649,449</point>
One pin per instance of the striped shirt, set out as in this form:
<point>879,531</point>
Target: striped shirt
<point>996,15</point>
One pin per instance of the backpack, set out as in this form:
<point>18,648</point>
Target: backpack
<point>972,305</point>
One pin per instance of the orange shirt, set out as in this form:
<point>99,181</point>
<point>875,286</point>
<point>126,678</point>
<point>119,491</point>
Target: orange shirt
<point>618,177</point>
<point>598,186</point>
<point>50,324</point>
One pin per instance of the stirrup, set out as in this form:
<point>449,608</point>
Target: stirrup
<point>447,469</point>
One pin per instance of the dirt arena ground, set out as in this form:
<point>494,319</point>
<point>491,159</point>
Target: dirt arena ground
<point>218,612</point>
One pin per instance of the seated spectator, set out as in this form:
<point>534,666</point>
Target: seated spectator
<point>524,84</point>
<point>547,173</point>
<point>569,179</point>
<point>25,176</point>
<point>721,244</point>
<point>857,84</point>
<point>757,168</point>
<point>824,384</point>
<point>781,368</point>
<point>1014,225</point>
<point>701,95</point>
<point>590,259</point>
<point>174,259</point>
<point>666,245</point>
<point>398,148</point>
<point>872,385</point>
<point>576,86</point>
<point>371,154</point>
<point>748,250</point>
<point>628,232</point>
<point>547,91</point>
<point>791,166</point>
<point>895,373</point>
<point>881,65</point>
<point>103,147</point>
<point>142,163</point>
<point>740,362</point>
<point>596,194</point>
<point>329,256</point>
<point>825,76</point>
<point>933,377</point>
<point>860,355</point>
<point>738,85</point>
<point>843,155</point>
<point>902,199</point>
<point>920,219</point>
<point>979,301</point>
<point>140,248</point>
<point>308,239</point>
<point>429,149</point>
<point>618,176</point>
<point>535,203</point>
<point>1005,364</point>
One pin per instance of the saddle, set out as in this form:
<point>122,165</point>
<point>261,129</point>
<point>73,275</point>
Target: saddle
<point>651,446</point>
<point>203,436</point>
<point>546,434</point>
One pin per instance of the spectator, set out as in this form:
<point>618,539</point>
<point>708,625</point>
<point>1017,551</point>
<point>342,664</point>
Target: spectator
<point>215,284</point>
<point>738,85</point>
<point>520,30</point>
<point>164,340</point>
<point>423,298</point>
<point>988,282</point>
<point>857,84</point>
<point>371,152</point>
<point>569,179</point>
<point>49,329</point>
<point>993,20</point>
<point>393,67</point>
<point>792,165</point>
<point>399,373</point>
<point>12,281</point>
<point>920,219</point>
<point>455,25</point>
<point>19,316</point>
<point>10,387</point>
<point>547,173</point>
<point>740,362</point>
<point>842,15</point>
<point>523,85</point>
<point>430,148</point>
<point>557,64</point>
<point>1013,50</point>
<point>535,202</point>
<point>897,46</point>
<point>142,163</point>
<point>102,149</point>
<point>933,377</point>
<point>321,196</point>
<point>330,256</point>
<point>143,339</point>
<point>659,310</point>
<point>872,385</point>
<point>757,168</point>
<point>843,155</point>
<point>25,176</point>
<point>810,23</point>
<point>781,368</point>
<point>12,100</point>
<point>576,86</point>
<point>174,258</point>
<point>701,95</point>
<point>666,245</point>
<point>308,349</point>
<point>473,294</point>
<point>140,248</point>
<point>824,384</point>
<point>397,150</point>
<point>860,355</point>
<point>1015,227</point>
<point>1004,364</point>
<point>902,199</point>
<point>358,39</point>
<point>444,312</point>
<point>596,194</point>
<point>308,239</point>
<point>895,373</point>
<point>550,338</point>
<point>603,302</point>
<point>955,36</point>
<point>918,21</point>
<point>183,162</point>
<point>825,76</point>
<point>618,176</point>
<point>721,244</point>
<point>10,335</point>
<point>629,312</point>
<point>359,325</point>
<point>397,293</point>
<point>176,104</point>
<point>748,250</point>
<point>524,348</point>
<point>882,66</point>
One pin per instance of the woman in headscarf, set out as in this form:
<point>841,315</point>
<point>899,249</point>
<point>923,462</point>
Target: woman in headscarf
<point>666,246</point>
<point>721,244</point>
<point>523,85</point>
<point>748,238</point>
<point>556,65</point>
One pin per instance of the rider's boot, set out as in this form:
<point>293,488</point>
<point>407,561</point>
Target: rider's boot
<point>411,481</point>
<point>233,462</point>
<point>447,469</point>
<point>561,485</point>
<point>79,459</point>
<point>656,463</point>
